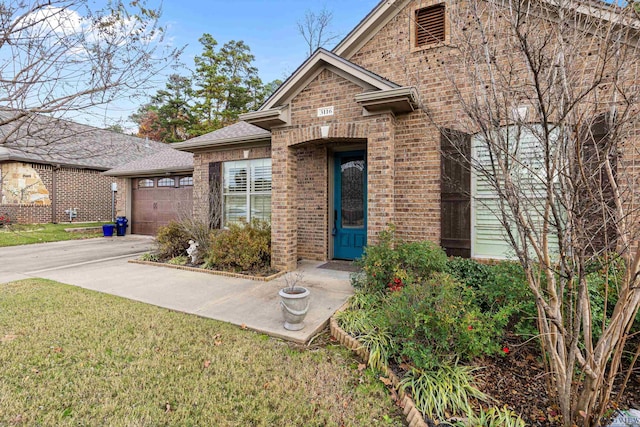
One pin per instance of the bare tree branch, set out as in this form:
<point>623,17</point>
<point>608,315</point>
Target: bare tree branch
<point>61,57</point>
<point>315,29</point>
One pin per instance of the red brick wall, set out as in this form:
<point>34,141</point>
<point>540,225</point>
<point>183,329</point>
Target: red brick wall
<point>121,195</point>
<point>402,152</point>
<point>87,190</point>
<point>312,190</point>
<point>433,71</point>
<point>27,214</point>
<point>201,173</point>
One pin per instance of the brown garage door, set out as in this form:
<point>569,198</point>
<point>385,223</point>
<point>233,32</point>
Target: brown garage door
<point>158,200</point>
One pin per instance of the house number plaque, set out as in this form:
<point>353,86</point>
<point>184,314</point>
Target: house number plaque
<point>325,111</point>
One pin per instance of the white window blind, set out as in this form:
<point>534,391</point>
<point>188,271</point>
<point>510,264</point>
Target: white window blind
<point>247,190</point>
<point>528,174</point>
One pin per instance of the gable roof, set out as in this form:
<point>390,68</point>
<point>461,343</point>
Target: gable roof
<point>369,26</point>
<point>379,94</point>
<point>309,69</point>
<point>388,9</point>
<point>41,139</point>
<point>237,133</point>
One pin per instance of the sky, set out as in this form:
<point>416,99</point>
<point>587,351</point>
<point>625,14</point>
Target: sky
<point>268,27</point>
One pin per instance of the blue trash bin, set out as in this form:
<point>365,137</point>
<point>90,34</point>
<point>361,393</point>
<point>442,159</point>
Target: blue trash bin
<point>107,230</point>
<point>121,225</point>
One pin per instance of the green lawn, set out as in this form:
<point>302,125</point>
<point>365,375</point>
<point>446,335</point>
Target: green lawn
<point>24,234</point>
<point>75,357</point>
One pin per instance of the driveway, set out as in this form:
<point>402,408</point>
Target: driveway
<point>27,261</point>
<point>102,265</point>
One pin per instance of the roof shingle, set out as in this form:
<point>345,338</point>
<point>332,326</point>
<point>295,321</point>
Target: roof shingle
<point>42,139</point>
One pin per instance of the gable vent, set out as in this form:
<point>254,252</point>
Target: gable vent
<point>430,26</point>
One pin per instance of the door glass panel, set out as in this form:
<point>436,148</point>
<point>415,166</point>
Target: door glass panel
<point>352,192</point>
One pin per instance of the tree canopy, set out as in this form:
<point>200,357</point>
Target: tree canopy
<point>223,85</point>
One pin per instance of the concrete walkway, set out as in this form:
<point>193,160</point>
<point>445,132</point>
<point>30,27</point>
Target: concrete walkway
<point>242,302</point>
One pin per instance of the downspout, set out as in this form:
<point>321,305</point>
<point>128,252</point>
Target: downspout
<point>54,194</point>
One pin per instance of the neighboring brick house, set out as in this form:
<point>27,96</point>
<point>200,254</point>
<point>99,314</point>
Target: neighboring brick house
<point>49,167</point>
<point>342,149</point>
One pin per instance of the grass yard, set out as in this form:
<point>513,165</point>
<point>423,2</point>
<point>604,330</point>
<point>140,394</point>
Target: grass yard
<point>24,234</point>
<point>75,357</point>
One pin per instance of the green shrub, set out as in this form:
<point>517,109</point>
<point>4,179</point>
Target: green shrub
<point>471,272</point>
<point>179,260</point>
<point>512,297</point>
<point>500,289</point>
<point>171,241</point>
<point>364,325</point>
<point>242,247</point>
<point>392,262</point>
<point>444,391</point>
<point>437,320</point>
<point>494,417</point>
<point>149,257</point>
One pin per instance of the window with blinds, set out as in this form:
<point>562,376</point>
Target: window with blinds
<point>430,25</point>
<point>527,172</point>
<point>246,190</point>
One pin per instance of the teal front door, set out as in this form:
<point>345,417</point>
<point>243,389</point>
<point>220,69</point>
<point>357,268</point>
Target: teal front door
<point>350,205</point>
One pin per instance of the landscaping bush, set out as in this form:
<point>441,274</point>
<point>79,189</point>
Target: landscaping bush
<point>244,247</point>
<point>392,263</point>
<point>171,241</point>
<point>438,320</point>
<point>179,260</point>
<point>500,289</point>
<point>443,392</point>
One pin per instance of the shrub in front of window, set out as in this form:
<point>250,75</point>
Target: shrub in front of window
<point>243,247</point>
<point>172,240</point>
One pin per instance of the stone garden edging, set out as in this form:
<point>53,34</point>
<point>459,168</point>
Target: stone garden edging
<point>213,272</point>
<point>414,417</point>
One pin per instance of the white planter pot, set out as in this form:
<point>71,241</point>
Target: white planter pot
<point>295,305</point>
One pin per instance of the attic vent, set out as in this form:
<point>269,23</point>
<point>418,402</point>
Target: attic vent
<point>430,27</point>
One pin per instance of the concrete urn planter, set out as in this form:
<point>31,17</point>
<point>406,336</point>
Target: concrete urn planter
<point>295,305</point>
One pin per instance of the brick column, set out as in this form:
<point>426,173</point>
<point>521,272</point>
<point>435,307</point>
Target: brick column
<point>200,187</point>
<point>380,176</point>
<point>284,210</point>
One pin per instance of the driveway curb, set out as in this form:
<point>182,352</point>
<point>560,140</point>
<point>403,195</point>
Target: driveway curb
<point>213,272</point>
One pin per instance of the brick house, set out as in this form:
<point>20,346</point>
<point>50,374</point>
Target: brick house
<point>49,167</point>
<point>342,149</point>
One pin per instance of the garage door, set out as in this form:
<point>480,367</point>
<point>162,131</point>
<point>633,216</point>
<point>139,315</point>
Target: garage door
<point>157,201</point>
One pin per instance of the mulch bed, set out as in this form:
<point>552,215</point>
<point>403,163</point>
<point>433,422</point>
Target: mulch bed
<point>518,381</point>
